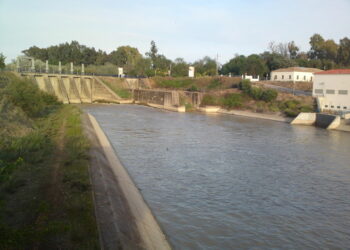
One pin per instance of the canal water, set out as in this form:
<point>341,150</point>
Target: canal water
<point>228,182</point>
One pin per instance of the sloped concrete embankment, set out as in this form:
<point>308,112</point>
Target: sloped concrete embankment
<point>325,121</point>
<point>125,221</point>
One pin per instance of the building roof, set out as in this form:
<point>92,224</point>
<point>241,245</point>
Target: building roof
<point>334,72</point>
<point>298,69</point>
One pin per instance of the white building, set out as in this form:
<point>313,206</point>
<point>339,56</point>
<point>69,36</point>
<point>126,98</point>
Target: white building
<point>250,78</point>
<point>294,74</point>
<point>332,89</point>
<point>191,71</point>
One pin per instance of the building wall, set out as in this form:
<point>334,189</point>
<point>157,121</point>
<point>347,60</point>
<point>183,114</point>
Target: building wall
<point>335,90</point>
<point>292,76</point>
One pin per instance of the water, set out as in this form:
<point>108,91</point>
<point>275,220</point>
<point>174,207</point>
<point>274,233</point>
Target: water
<point>227,182</point>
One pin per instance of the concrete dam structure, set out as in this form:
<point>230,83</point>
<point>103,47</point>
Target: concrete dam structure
<point>75,89</point>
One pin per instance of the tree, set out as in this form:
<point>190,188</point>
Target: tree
<point>206,66</point>
<point>256,65</point>
<point>316,43</point>
<point>153,53</point>
<point>344,52</point>
<point>276,61</point>
<point>126,57</point>
<point>2,61</point>
<point>236,66</point>
<point>179,67</point>
<point>293,50</point>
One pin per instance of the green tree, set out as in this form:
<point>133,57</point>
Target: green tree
<point>316,43</point>
<point>344,52</point>
<point>153,53</point>
<point>179,67</point>
<point>206,66</point>
<point>236,66</point>
<point>293,50</point>
<point>2,61</point>
<point>256,65</point>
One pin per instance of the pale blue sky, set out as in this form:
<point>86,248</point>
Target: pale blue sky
<point>188,29</point>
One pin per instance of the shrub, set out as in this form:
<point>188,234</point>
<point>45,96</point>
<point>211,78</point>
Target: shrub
<point>26,95</point>
<point>269,95</point>
<point>193,88</point>
<point>215,83</point>
<point>291,112</point>
<point>232,101</point>
<point>209,100</point>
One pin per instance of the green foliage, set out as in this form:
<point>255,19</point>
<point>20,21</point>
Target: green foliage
<point>233,100</point>
<point>266,95</point>
<point>26,95</point>
<point>193,88</point>
<point>209,100</point>
<point>175,83</point>
<point>215,83</point>
<point>2,61</point>
<point>292,108</point>
<point>205,67</point>
<point>179,68</point>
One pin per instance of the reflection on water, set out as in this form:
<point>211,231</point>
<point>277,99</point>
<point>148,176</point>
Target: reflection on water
<point>224,182</point>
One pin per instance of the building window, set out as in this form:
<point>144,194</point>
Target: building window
<point>297,77</point>
<point>326,106</point>
<point>344,107</point>
<point>290,76</point>
<point>342,92</point>
<point>275,77</point>
<point>318,91</point>
<point>332,106</point>
<point>304,78</point>
<point>311,78</point>
<point>338,107</point>
<point>330,91</point>
<point>282,77</point>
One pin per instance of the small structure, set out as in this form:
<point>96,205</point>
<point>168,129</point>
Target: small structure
<point>251,78</point>
<point>294,74</point>
<point>332,90</point>
<point>191,71</point>
<point>120,72</point>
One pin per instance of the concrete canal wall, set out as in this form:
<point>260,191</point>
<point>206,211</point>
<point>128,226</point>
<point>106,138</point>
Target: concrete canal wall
<point>326,121</point>
<point>147,227</point>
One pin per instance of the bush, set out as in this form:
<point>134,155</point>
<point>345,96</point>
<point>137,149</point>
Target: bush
<point>209,100</point>
<point>193,88</point>
<point>26,95</point>
<point>269,95</point>
<point>291,112</point>
<point>266,95</point>
<point>232,101</point>
<point>215,83</point>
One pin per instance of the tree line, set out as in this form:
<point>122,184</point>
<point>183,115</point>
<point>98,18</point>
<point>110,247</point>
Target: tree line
<point>323,54</point>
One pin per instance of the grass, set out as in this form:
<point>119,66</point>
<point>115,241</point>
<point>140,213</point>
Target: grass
<point>173,83</point>
<point>123,93</point>
<point>45,192</point>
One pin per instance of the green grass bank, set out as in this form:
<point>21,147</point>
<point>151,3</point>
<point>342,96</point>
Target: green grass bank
<point>45,192</point>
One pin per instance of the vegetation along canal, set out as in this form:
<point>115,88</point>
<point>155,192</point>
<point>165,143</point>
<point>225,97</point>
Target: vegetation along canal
<point>224,182</point>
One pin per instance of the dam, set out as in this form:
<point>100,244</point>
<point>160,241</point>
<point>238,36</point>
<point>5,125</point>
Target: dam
<point>229,182</point>
<point>74,89</point>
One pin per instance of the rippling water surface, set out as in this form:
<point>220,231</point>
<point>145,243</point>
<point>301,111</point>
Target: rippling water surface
<point>223,182</point>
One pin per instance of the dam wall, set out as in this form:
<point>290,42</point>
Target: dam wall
<point>326,121</point>
<point>167,98</point>
<point>74,89</point>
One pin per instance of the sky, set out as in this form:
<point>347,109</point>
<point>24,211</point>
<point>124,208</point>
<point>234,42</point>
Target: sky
<point>186,29</point>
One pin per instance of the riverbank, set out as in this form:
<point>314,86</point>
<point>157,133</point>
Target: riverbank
<point>124,219</point>
<point>45,192</point>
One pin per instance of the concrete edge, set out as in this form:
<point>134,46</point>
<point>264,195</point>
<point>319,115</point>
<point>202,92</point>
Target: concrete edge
<point>148,227</point>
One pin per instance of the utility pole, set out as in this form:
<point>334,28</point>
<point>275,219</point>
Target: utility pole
<point>217,64</point>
